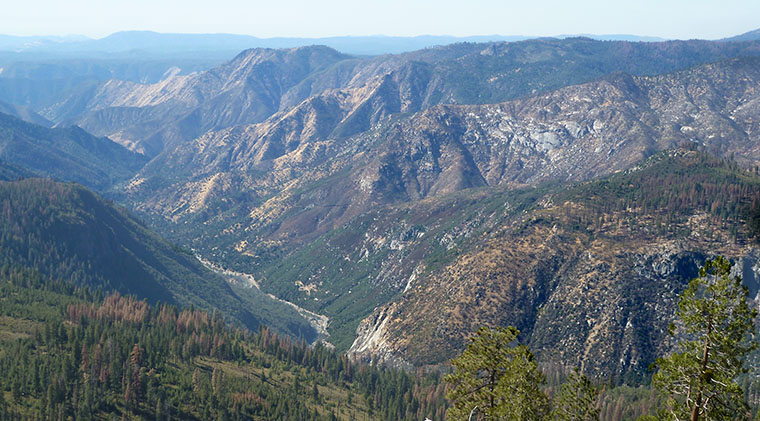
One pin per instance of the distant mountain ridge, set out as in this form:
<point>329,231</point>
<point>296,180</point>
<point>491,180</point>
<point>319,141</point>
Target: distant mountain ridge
<point>614,37</point>
<point>747,36</point>
<point>154,42</point>
<point>148,117</point>
<point>69,154</point>
<point>36,70</point>
<point>25,114</point>
<point>37,81</point>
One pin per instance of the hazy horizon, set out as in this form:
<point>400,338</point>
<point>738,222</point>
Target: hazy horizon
<point>75,36</point>
<point>678,19</point>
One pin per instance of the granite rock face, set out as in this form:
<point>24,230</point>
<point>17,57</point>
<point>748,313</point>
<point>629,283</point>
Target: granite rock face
<point>295,160</point>
<point>583,282</point>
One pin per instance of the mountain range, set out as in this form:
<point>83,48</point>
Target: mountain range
<point>259,84</point>
<point>570,187</point>
<point>163,43</point>
<point>264,179</point>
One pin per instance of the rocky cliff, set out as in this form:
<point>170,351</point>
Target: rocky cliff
<point>588,274</point>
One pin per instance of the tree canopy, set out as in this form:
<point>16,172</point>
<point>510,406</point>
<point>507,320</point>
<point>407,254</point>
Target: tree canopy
<point>497,378</point>
<point>713,326</point>
<point>576,400</point>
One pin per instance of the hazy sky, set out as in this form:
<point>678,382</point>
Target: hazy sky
<point>707,19</point>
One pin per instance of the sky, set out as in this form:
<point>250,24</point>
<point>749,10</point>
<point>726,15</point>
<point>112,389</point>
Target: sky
<point>677,19</point>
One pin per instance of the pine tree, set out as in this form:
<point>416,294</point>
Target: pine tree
<point>497,379</point>
<point>217,377</point>
<point>576,400</point>
<point>714,323</point>
<point>159,410</point>
<point>315,393</point>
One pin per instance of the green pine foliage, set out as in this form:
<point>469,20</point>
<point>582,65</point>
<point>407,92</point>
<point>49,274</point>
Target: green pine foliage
<point>665,191</point>
<point>714,325</point>
<point>497,379</point>
<point>712,375</point>
<point>626,403</point>
<point>68,233</point>
<point>76,354</point>
<point>577,400</point>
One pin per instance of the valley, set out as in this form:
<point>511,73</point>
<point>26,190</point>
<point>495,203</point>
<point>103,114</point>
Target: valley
<point>246,282</point>
<point>381,209</point>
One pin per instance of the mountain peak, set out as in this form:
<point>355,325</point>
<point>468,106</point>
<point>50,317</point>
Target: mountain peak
<point>301,50</point>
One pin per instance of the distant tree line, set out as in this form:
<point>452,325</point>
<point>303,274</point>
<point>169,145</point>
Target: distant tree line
<point>677,185</point>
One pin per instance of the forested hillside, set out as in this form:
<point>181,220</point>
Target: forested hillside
<point>69,154</point>
<point>67,233</point>
<point>68,352</point>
